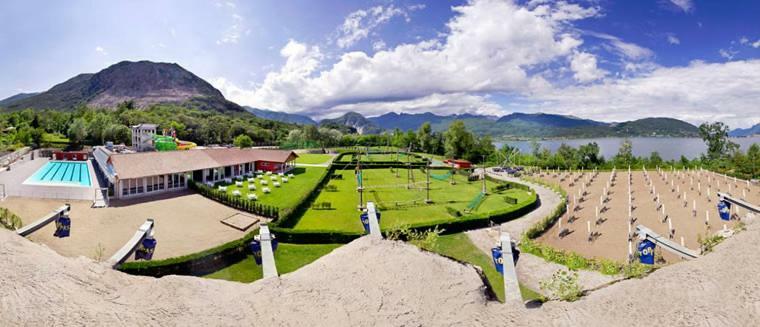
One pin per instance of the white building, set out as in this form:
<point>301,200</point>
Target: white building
<point>142,137</point>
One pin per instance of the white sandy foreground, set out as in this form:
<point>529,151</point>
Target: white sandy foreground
<point>367,283</point>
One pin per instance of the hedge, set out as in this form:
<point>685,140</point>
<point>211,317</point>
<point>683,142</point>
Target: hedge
<point>195,264</point>
<point>239,203</point>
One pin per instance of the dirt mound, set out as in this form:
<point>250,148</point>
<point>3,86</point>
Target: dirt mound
<point>368,283</point>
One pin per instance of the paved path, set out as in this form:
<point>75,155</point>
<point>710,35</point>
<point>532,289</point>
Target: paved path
<point>532,269</point>
<point>312,165</point>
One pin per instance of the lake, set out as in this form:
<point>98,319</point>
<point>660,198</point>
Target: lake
<point>669,148</point>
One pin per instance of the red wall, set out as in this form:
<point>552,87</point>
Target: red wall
<point>75,156</point>
<point>268,166</point>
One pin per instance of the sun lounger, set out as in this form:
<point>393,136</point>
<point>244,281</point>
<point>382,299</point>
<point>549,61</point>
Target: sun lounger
<point>236,193</point>
<point>266,190</point>
<point>252,197</point>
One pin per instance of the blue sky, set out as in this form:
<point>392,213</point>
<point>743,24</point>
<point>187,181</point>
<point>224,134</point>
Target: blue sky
<point>605,60</point>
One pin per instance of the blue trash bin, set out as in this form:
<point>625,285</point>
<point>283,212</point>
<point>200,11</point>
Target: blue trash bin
<point>255,247</point>
<point>724,210</point>
<point>646,252</point>
<point>62,227</point>
<point>498,260</point>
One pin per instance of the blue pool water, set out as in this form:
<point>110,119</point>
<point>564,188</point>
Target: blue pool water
<point>68,173</point>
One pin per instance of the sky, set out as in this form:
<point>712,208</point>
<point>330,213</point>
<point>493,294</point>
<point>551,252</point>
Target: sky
<point>600,59</point>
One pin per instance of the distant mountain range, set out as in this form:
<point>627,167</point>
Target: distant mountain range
<point>144,83</point>
<point>745,132</point>
<point>520,125</point>
<point>280,116</point>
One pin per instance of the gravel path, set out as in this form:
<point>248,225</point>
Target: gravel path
<point>531,270</point>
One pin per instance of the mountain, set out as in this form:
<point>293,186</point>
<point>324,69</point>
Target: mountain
<point>352,122</point>
<point>280,116</point>
<point>10,100</point>
<point>656,127</point>
<point>143,82</point>
<point>524,125</point>
<point>745,132</point>
<point>404,121</point>
<point>549,120</point>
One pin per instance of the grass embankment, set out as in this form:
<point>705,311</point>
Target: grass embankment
<point>459,247</point>
<point>313,158</point>
<point>288,258</point>
<point>399,205</point>
<point>288,194</point>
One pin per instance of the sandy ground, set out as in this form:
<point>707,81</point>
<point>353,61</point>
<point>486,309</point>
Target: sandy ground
<point>612,229</point>
<point>531,270</point>
<point>368,283</point>
<point>184,223</point>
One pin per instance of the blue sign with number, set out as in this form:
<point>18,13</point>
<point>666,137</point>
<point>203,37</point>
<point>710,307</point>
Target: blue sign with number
<point>498,260</point>
<point>255,247</point>
<point>646,252</point>
<point>724,210</point>
<point>364,217</point>
<point>62,227</point>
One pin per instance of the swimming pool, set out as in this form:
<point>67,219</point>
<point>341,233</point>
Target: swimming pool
<point>62,173</point>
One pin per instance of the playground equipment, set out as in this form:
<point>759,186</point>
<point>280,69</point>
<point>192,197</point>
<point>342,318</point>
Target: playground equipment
<point>650,239</point>
<point>263,247</point>
<point>171,143</point>
<point>137,242</point>
<point>504,261</point>
<point>371,220</point>
<point>62,222</point>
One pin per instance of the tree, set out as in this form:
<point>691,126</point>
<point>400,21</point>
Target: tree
<point>753,161</point>
<point>425,137</point>
<point>589,155</point>
<point>655,159</point>
<point>457,140</point>
<point>243,141</point>
<point>77,131</point>
<point>716,136</point>
<point>625,154</point>
<point>97,127</point>
<point>118,134</point>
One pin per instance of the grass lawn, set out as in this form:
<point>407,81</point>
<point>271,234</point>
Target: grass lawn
<point>399,205</point>
<point>459,246</point>
<point>288,258</point>
<point>313,158</point>
<point>288,194</point>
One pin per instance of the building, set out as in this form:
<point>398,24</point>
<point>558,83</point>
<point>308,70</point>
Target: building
<point>142,137</point>
<point>133,174</point>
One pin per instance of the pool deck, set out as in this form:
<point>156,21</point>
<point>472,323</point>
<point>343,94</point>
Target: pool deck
<point>20,171</point>
<point>185,223</point>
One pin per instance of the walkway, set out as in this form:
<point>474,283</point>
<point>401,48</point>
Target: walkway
<point>531,270</point>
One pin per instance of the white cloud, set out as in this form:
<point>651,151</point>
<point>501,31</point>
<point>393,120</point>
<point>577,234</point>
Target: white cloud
<point>622,48</point>
<point>685,5</point>
<point>584,67</point>
<point>699,92</point>
<point>728,54</point>
<point>488,48</point>
<point>756,44</point>
<point>442,104</point>
<point>101,50</point>
<point>232,34</point>
<point>378,45</point>
<point>672,39</point>
<point>359,24</point>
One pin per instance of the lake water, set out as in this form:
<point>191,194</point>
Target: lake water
<point>669,148</point>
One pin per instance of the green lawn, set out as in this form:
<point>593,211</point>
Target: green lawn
<point>288,194</point>
<point>459,246</point>
<point>288,258</point>
<point>313,158</point>
<point>398,205</point>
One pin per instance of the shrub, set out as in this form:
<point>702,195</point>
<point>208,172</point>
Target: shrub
<point>9,220</point>
<point>563,285</point>
<point>510,200</point>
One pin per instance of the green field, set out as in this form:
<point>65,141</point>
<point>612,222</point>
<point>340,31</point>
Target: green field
<point>313,158</point>
<point>459,247</point>
<point>398,205</point>
<point>288,258</point>
<point>288,194</point>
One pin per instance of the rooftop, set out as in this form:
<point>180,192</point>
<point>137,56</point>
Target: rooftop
<point>142,164</point>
